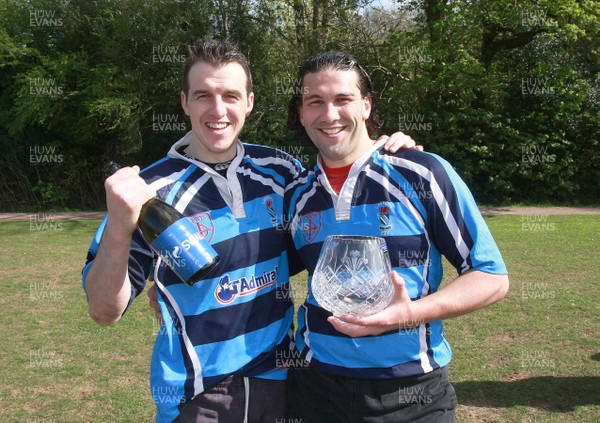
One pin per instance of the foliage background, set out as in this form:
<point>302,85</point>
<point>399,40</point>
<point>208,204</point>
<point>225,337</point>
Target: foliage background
<point>505,90</point>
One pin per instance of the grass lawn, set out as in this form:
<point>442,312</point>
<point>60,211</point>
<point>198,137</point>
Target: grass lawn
<point>535,357</point>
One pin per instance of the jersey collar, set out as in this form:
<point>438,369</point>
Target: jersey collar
<point>343,201</point>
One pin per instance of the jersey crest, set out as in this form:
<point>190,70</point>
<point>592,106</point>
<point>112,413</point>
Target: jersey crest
<point>205,224</point>
<point>384,218</point>
<point>310,223</point>
<point>268,202</point>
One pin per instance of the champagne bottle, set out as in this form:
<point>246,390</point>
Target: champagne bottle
<point>175,238</point>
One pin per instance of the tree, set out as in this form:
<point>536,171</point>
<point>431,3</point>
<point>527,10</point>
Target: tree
<point>473,76</point>
<point>505,89</point>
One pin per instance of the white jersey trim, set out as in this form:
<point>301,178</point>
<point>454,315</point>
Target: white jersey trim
<point>229,188</point>
<point>167,180</point>
<point>385,183</point>
<point>343,201</point>
<point>189,194</point>
<point>198,381</point>
<point>442,203</point>
<point>265,181</point>
<point>310,353</point>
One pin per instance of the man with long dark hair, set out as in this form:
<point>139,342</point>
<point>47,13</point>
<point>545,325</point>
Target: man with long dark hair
<point>391,366</point>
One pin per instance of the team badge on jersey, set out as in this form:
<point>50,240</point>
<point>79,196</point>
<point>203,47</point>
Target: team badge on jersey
<point>310,223</point>
<point>229,289</point>
<point>205,224</point>
<point>268,202</point>
<point>384,218</point>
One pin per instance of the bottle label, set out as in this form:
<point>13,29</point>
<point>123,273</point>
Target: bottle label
<point>183,249</point>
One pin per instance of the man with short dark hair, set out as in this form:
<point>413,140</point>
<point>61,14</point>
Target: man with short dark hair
<point>391,366</point>
<point>215,357</point>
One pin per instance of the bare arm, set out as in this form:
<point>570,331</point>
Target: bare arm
<point>107,281</point>
<point>467,293</point>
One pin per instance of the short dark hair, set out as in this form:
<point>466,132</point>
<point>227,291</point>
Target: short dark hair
<point>215,53</point>
<point>334,60</point>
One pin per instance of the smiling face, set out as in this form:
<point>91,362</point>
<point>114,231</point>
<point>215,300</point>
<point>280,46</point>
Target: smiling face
<point>333,113</point>
<point>217,103</point>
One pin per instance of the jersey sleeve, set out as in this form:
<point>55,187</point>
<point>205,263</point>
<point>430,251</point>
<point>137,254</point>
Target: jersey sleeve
<point>140,260</point>
<point>455,222</point>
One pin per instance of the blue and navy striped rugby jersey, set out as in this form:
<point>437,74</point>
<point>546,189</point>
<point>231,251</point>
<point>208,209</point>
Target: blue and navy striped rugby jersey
<point>418,203</point>
<point>238,320</point>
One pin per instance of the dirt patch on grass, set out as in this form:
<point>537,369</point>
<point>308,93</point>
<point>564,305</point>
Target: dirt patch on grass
<point>20,217</point>
<point>488,211</point>
<point>507,211</point>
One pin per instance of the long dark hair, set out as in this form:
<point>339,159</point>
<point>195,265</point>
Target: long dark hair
<point>334,60</point>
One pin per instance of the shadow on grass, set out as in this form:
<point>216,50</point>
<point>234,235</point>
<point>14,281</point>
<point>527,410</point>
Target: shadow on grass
<point>556,394</point>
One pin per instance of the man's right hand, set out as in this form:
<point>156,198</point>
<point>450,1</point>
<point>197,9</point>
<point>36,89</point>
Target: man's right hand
<point>108,286</point>
<point>126,192</point>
